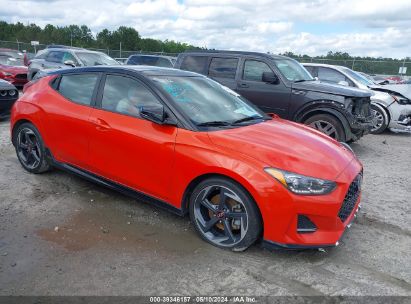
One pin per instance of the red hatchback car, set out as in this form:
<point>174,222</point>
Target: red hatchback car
<point>183,141</point>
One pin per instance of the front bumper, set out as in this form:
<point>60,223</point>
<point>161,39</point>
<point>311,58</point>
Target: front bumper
<point>6,105</point>
<point>282,230</point>
<point>400,118</point>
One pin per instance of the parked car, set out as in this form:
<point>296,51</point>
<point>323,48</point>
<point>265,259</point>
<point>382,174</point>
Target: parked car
<point>281,85</point>
<point>391,109</point>
<point>66,57</point>
<point>154,60</point>
<point>8,96</point>
<point>185,142</point>
<point>376,79</point>
<point>11,53</point>
<point>13,70</point>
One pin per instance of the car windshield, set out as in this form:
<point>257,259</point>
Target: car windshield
<point>292,70</point>
<point>150,60</point>
<point>11,61</point>
<point>208,103</point>
<point>92,59</point>
<point>358,77</point>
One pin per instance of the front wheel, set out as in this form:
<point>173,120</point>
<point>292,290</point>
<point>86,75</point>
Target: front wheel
<point>328,125</point>
<point>380,121</point>
<point>224,214</point>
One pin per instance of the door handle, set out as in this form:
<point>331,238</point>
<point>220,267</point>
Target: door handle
<point>101,125</point>
<point>244,85</point>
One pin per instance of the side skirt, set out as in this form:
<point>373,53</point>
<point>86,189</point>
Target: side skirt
<point>115,186</point>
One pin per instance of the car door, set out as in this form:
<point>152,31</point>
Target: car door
<point>271,98</point>
<point>223,70</point>
<point>67,123</point>
<point>124,147</point>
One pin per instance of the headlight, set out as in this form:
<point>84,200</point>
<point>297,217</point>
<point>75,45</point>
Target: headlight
<point>300,184</point>
<point>12,92</point>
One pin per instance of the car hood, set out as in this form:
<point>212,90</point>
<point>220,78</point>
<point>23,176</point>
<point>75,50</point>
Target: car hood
<point>403,89</point>
<point>288,146</point>
<point>329,88</point>
<point>14,69</point>
<point>5,85</point>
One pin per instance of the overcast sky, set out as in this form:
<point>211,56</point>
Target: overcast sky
<point>359,27</point>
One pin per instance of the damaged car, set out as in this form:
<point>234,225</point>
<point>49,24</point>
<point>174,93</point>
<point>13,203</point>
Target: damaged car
<point>281,85</point>
<point>390,105</point>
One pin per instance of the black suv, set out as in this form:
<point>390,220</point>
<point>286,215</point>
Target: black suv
<point>281,85</point>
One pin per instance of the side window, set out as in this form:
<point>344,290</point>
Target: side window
<point>330,75</point>
<point>126,95</point>
<point>223,67</point>
<point>69,57</point>
<point>253,70</point>
<point>55,56</point>
<point>312,70</point>
<point>78,87</point>
<point>194,63</point>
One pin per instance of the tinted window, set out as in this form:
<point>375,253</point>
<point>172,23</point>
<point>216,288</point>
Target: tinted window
<point>55,56</point>
<point>78,88</point>
<point>150,60</point>
<point>194,63</point>
<point>330,75</point>
<point>223,67</point>
<point>253,70</point>
<point>312,70</point>
<point>126,95</point>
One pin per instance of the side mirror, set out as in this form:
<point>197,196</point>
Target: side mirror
<point>270,77</point>
<point>344,83</point>
<point>156,114</point>
<point>70,63</point>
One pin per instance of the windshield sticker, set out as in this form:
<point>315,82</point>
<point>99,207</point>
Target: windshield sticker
<point>178,91</point>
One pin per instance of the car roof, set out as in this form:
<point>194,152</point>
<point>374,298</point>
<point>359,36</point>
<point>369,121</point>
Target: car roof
<point>219,52</point>
<point>144,70</point>
<point>151,55</point>
<point>76,50</point>
<point>325,65</point>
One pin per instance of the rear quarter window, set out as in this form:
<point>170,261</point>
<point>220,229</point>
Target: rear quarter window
<point>223,67</point>
<point>78,88</point>
<point>194,63</point>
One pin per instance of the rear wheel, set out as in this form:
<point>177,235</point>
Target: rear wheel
<point>224,214</point>
<point>328,125</point>
<point>30,148</point>
<point>380,121</point>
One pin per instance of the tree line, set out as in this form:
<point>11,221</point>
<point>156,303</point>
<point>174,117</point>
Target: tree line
<point>81,36</point>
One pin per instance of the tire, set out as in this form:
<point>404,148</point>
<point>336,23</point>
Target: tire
<point>30,149</point>
<point>233,223</point>
<point>381,121</point>
<point>327,124</point>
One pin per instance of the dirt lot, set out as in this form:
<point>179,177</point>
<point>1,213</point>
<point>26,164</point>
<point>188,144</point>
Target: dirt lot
<point>109,244</point>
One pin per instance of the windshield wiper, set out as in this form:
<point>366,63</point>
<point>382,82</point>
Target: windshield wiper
<point>302,80</point>
<point>249,118</point>
<point>215,123</point>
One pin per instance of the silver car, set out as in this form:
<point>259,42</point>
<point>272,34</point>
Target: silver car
<point>391,108</point>
<point>59,57</point>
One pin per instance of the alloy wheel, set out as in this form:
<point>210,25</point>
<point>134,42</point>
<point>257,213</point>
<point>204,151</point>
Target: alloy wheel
<point>28,148</point>
<point>325,127</point>
<point>221,215</point>
<point>378,120</point>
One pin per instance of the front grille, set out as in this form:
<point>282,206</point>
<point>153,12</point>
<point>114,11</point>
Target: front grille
<point>350,198</point>
<point>305,225</point>
<point>21,76</point>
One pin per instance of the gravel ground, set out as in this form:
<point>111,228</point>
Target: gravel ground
<point>109,244</point>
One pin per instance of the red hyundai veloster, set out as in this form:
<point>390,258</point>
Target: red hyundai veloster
<point>183,141</point>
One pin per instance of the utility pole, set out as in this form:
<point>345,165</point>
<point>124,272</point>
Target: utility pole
<point>120,50</point>
<point>71,38</point>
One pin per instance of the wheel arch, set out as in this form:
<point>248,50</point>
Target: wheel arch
<point>16,125</point>
<point>309,112</point>
<point>197,180</point>
<point>384,108</point>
